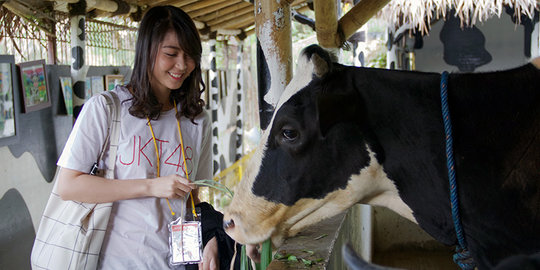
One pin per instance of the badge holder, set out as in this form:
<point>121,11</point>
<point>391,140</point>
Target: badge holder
<point>185,239</point>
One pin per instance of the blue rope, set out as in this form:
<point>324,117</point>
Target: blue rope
<point>462,257</point>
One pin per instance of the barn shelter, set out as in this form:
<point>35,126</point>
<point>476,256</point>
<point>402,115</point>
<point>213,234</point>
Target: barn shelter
<point>28,159</point>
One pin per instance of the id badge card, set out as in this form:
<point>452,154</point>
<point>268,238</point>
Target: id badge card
<point>185,242</point>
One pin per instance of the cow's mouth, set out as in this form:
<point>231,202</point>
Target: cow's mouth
<point>250,232</point>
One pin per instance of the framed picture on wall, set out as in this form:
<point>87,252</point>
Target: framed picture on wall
<point>113,80</point>
<point>34,86</point>
<point>8,100</point>
<point>87,89</point>
<point>67,91</point>
<point>97,85</point>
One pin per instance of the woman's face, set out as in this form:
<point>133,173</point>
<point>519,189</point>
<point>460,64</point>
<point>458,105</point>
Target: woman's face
<point>172,66</point>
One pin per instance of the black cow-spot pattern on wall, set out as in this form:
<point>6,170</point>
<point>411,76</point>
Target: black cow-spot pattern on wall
<point>240,101</point>
<point>463,47</point>
<point>528,26</point>
<point>214,103</point>
<point>16,232</point>
<point>78,67</point>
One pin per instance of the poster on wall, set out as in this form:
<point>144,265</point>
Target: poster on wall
<point>9,101</point>
<point>112,81</point>
<point>97,85</point>
<point>87,89</point>
<point>34,86</point>
<point>7,109</point>
<point>67,92</point>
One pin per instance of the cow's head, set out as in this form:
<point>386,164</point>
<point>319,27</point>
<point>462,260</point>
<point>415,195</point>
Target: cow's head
<point>315,160</point>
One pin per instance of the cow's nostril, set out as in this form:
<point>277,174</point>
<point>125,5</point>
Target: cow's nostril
<point>228,224</point>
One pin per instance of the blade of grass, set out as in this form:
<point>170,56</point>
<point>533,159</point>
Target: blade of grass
<point>244,261</point>
<point>266,255</point>
<point>213,184</point>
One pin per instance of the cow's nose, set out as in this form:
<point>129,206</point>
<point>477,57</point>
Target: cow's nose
<point>228,224</point>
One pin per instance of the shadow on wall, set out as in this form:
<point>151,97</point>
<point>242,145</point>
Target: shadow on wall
<point>16,232</point>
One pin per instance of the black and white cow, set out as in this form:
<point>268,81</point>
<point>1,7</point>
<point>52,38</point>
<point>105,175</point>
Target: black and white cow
<point>341,135</point>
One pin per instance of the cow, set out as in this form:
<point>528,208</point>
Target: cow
<point>342,135</point>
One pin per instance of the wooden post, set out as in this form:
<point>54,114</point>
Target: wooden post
<point>51,44</point>
<point>326,23</point>
<point>274,54</point>
<point>332,33</point>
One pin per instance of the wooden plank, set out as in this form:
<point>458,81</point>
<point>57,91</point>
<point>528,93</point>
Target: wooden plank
<point>232,23</point>
<point>302,9</point>
<point>327,25</point>
<point>249,32</point>
<point>232,15</point>
<point>358,16</point>
<point>201,5</point>
<point>221,8</point>
<point>213,13</point>
<point>176,3</point>
<point>298,2</point>
<point>244,25</point>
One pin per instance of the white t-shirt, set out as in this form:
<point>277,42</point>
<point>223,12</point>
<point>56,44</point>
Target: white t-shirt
<point>137,234</point>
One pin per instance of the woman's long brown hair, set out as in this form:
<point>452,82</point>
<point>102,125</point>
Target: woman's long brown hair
<point>155,24</point>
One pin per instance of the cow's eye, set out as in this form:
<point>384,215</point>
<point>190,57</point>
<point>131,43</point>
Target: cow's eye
<point>289,134</point>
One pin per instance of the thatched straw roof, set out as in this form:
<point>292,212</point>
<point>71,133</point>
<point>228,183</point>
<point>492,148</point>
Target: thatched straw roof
<point>419,13</point>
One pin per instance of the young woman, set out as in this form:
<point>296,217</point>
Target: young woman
<point>162,96</point>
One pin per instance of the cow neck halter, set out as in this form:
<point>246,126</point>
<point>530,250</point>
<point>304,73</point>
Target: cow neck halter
<point>183,156</point>
<point>462,257</point>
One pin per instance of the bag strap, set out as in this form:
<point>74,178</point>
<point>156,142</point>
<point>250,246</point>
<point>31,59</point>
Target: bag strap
<point>113,102</point>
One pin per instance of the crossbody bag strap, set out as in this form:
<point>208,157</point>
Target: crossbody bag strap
<point>113,102</point>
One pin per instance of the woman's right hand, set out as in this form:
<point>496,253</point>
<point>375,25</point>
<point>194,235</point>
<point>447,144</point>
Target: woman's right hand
<point>171,187</point>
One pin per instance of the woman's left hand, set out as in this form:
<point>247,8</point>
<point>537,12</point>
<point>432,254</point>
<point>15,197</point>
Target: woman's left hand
<point>210,256</point>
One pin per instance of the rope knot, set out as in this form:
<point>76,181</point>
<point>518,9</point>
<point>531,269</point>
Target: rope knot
<point>464,259</point>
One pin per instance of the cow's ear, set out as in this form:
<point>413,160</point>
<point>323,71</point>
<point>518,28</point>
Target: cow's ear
<point>334,108</point>
<point>320,65</point>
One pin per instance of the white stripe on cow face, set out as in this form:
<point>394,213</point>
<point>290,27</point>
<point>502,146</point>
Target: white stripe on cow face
<point>263,219</point>
<point>371,186</point>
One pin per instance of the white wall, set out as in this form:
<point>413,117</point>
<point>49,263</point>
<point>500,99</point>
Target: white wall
<point>504,41</point>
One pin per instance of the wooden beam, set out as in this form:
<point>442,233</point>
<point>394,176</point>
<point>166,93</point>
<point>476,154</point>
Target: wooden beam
<point>244,25</point>
<point>201,5</point>
<point>184,2</point>
<point>332,33</point>
<point>358,16</point>
<point>211,13</point>
<point>326,23</point>
<point>298,2</point>
<point>246,18</point>
<point>250,32</point>
<point>217,7</point>
<point>232,15</point>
